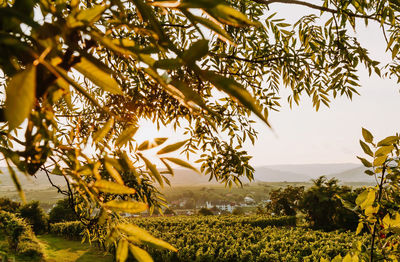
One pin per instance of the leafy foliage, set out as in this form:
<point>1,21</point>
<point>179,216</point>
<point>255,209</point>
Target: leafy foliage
<point>205,212</point>
<point>62,212</point>
<point>378,206</point>
<point>323,208</point>
<point>80,75</point>
<point>285,201</point>
<point>20,237</point>
<point>8,205</point>
<point>35,216</point>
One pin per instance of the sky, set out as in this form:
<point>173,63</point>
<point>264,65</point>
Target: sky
<point>331,135</point>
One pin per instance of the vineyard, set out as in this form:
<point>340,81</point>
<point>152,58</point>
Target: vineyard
<point>243,239</point>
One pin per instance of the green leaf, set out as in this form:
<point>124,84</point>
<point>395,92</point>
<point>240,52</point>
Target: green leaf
<point>237,91</point>
<point>196,51</point>
<point>126,206</point>
<point>98,76</point>
<point>152,168</point>
<point>16,182</point>
<point>122,250</point>
<point>388,141</point>
<point>171,148</point>
<point>369,172</point>
<point>144,237</point>
<point>91,15</point>
<point>230,16</point>
<point>101,133</point>
<point>168,64</point>
<point>368,137</point>
<point>113,188</point>
<point>140,254</point>
<point>366,148</point>
<point>216,28</point>
<point>126,135</point>
<point>365,162</point>
<point>149,145</point>
<point>181,162</point>
<point>379,160</point>
<point>365,199</point>
<point>20,96</point>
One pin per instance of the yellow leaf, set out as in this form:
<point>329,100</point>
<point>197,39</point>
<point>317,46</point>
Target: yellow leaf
<point>347,258</point>
<point>20,96</point>
<point>379,160</point>
<point>101,133</point>
<point>126,206</point>
<point>384,150</point>
<point>98,76</point>
<point>122,250</point>
<point>152,168</point>
<point>140,254</point>
<point>388,141</point>
<point>149,145</point>
<point>359,228</point>
<point>113,188</point>
<point>171,148</point>
<point>368,137</point>
<point>181,162</point>
<point>113,173</point>
<point>126,135</point>
<point>145,237</point>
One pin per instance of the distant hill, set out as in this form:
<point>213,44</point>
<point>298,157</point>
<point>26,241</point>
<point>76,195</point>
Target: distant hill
<point>315,170</point>
<point>269,174</point>
<point>345,172</point>
<point>353,175</point>
<point>37,182</point>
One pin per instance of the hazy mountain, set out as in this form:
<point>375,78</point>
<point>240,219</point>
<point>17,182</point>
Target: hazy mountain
<point>353,175</point>
<point>345,172</point>
<point>269,174</point>
<point>315,170</point>
<point>39,181</point>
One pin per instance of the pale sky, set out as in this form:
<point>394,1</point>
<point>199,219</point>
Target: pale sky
<point>331,135</point>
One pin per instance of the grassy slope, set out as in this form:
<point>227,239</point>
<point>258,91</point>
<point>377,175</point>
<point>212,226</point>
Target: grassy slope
<point>58,249</point>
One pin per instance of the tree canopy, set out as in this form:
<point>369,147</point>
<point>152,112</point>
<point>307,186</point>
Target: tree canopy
<point>77,76</point>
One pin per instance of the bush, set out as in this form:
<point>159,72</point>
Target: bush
<point>238,211</point>
<point>8,205</point>
<point>19,235</point>
<point>323,208</point>
<point>62,212</point>
<point>70,230</point>
<point>205,212</point>
<point>35,216</point>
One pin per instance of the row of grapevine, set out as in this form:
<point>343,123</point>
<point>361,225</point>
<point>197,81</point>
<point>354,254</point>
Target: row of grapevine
<point>239,239</point>
<point>69,230</point>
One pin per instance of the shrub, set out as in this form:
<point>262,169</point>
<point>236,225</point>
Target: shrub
<point>8,205</point>
<point>19,235</point>
<point>62,212</point>
<point>205,212</point>
<point>35,216</point>
<point>323,208</point>
<point>238,211</point>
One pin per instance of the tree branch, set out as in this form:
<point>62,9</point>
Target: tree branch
<point>313,6</point>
